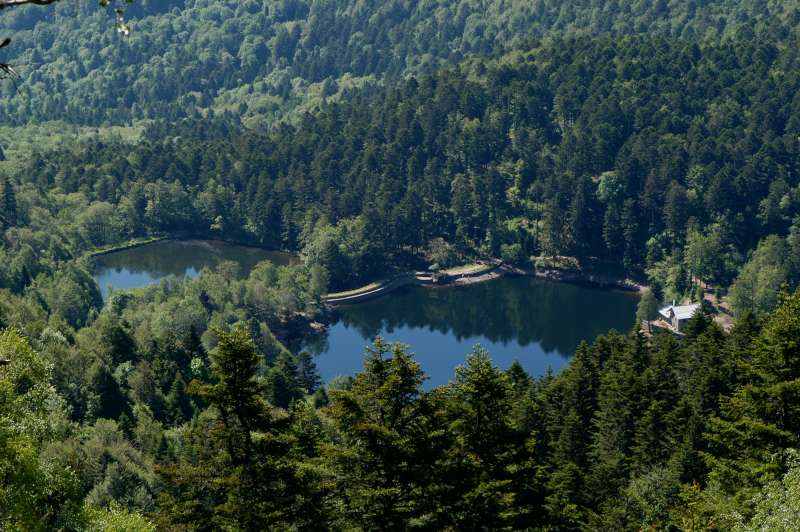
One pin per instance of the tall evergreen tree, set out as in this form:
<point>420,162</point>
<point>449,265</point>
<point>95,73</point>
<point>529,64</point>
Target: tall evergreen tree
<point>762,417</point>
<point>8,203</point>
<point>239,474</point>
<point>391,450</point>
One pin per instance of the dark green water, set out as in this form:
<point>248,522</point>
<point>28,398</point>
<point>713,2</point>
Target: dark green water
<point>539,322</point>
<point>144,265</point>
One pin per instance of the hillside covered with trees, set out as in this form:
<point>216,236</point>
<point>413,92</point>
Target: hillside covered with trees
<point>678,161</point>
<point>263,59</point>
<point>661,138</point>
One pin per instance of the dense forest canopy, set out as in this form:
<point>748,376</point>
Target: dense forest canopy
<point>263,59</point>
<point>677,160</point>
<point>661,137</point>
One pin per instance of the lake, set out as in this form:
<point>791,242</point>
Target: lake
<point>148,264</point>
<point>536,321</point>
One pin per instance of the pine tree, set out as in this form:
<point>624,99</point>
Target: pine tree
<point>111,402</point>
<point>389,449</point>
<point>240,475</point>
<point>178,403</point>
<point>762,417</point>
<point>308,374</point>
<point>618,406</point>
<point>237,394</point>
<point>573,400</point>
<point>283,382</point>
<point>8,203</point>
<point>518,378</point>
<point>485,444</point>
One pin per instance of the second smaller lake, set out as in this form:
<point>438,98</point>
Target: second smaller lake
<point>148,264</point>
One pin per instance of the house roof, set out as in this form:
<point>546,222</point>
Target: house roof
<point>682,312</point>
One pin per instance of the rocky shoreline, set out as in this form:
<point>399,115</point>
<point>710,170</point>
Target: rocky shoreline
<point>303,324</point>
<point>591,279</point>
<point>497,270</point>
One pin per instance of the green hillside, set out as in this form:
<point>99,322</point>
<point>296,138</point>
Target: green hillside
<point>655,139</point>
<point>674,160</point>
<point>262,59</point>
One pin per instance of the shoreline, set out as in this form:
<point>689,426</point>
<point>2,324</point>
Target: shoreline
<point>126,246</point>
<point>480,272</point>
<point>591,279</point>
<point>498,270</point>
<point>132,244</point>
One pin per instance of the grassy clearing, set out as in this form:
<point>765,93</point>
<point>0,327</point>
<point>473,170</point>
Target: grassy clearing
<point>21,142</point>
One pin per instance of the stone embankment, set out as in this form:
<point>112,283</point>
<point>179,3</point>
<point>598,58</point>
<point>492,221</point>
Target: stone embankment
<point>454,277</point>
<point>473,274</point>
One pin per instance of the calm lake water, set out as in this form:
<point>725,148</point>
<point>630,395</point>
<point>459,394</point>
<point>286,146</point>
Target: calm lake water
<point>144,265</point>
<point>536,321</point>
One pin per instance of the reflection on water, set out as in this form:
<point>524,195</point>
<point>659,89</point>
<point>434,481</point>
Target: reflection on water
<point>536,321</point>
<point>144,265</point>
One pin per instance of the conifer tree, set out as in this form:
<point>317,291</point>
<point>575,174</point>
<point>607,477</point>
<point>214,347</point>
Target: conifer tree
<point>111,403</point>
<point>573,400</point>
<point>762,417</point>
<point>283,381</point>
<point>178,402</point>
<point>308,375</point>
<point>484,444</point>
<point>239,476</point>
<point>618,406</point>
<point>388,450</point>
<point>8,204</point>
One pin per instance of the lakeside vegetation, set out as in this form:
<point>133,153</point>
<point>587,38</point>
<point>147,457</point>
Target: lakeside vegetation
<point>129,244</point>
<point>375,137</point>
<point>671,159</point>
<point>492,447</point>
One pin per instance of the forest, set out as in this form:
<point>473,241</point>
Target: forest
<point>263,59</point>
<point>636,433</point>
<point>679,159</point>
<point>658,138</point>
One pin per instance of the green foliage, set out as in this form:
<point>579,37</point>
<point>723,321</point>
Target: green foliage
<point>35,494</point>
<point>777,506</point>
<point>502,157</point>
<point>647,309</point>
<point>8,205</point>
<point>758,286</point>
<point>387,453</point>
<point>117,519</point>
<point>616,441</point>
<point>659,136</point>
<point>762,417</point>
<point>70,294</point>
<point>236,470</point>
<point>267,59</point>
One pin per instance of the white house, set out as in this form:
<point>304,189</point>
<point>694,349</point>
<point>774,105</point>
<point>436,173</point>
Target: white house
<point>678,315</point>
